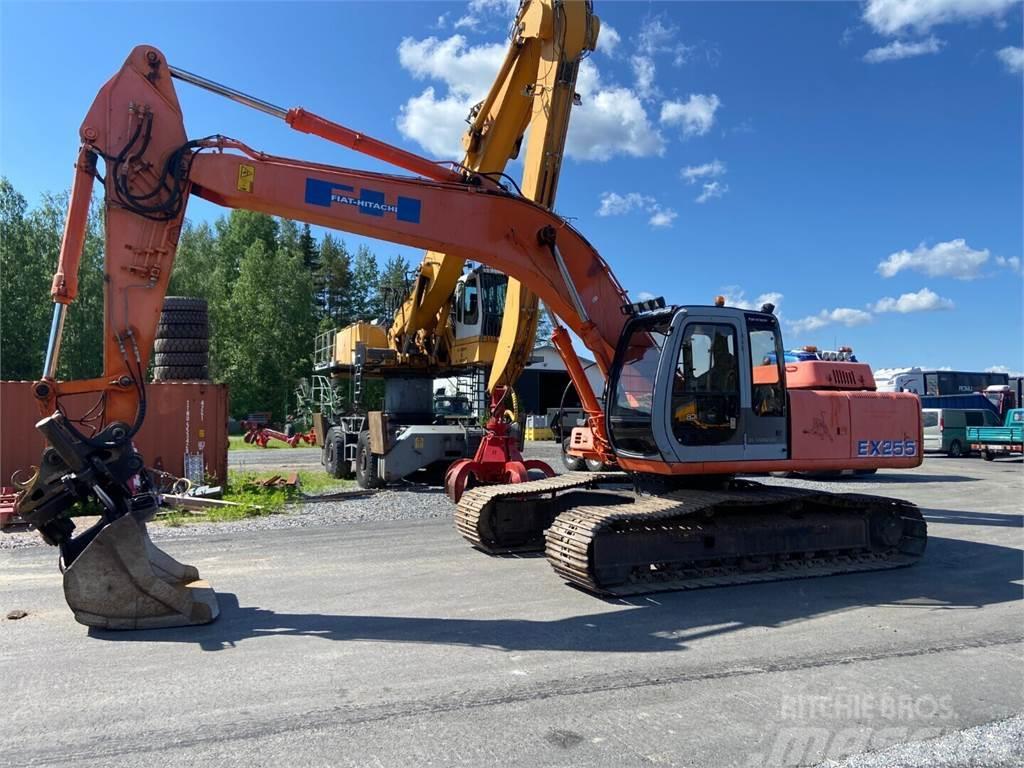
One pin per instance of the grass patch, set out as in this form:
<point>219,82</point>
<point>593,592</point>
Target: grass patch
<point>257,501</point>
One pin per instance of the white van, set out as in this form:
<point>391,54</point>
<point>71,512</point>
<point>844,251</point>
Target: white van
<point>945,429</point>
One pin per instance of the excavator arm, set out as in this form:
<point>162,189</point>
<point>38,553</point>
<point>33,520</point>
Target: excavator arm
<point>135,125</point>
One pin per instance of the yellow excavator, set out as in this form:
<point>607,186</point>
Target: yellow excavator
<point>456,321</point>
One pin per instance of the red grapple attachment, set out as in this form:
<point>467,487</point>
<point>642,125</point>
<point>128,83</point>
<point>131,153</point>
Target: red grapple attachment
<point>498,460</point>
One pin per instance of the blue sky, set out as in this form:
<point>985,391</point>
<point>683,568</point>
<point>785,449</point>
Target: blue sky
<point>860,163</point>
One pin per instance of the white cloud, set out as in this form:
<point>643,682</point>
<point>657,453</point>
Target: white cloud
<point>481,13</point>
<point>892,17</point>
<point>608,39</point>
<point>898,49</point>
<point>437,122</point>
<point>695,116</point>
<point>692,173</point>
<point>644,296</point>
<point>949,259</point>
<point>1011,263</point>
<point>655,36</point>
<point>712,189</point>
<point>466,70</point>
<point>611,121</point>
<point>924,300</point>
<point>614,204</point>
<point>643,75</point>
<point>736,297</point>
<point>1012,58</point>
<point>840,316</point>
<point>662,217</point>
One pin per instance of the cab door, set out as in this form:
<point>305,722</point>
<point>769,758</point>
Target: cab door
<point>703,387</point>
<point>766,414</point>
<point>726,395</point>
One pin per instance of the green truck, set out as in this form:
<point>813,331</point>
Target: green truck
<point>992,441</point>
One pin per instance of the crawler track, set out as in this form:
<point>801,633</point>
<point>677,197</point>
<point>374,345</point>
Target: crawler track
<point>752,533</point>
<point>600,536</point>
<point>501,519</point>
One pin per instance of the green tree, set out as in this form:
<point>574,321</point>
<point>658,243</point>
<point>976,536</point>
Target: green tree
<point>393,286</point>
<point>308,248</point>
<point>272,313</point>
<point>24,291</point>
<point>234,235</point>
<point>194,263</point>
<point>288,236</point>
<point>334,282</point>
<point>81,352</point>
<point>29,247</point>
<point>365,281</point>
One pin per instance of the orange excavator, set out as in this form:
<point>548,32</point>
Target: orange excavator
<point>695,394</point>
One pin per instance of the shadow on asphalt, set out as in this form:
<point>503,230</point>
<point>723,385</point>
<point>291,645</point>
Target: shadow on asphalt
<point>955,575</point>
<point>955,517</point>
<point>908,477</point>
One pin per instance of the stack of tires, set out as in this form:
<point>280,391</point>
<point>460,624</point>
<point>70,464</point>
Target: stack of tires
<point>182,343</point>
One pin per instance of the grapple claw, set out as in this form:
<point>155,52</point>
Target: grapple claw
<point>122,580</point>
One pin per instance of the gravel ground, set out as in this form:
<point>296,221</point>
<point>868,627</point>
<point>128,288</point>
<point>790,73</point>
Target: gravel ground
<point>994,745</point>
<point>409,502</point>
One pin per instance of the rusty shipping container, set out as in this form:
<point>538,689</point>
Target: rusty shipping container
<point>183,418</point>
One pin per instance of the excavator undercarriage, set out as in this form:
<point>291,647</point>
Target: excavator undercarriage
<point>602,534</point>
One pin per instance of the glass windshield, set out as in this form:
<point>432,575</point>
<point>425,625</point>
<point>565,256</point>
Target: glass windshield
<point>706,386</point>
<point>931,418</point>
<point>494,286</point>
<point>631,408</point>
<point>471,304</point>
<point>768,397</point>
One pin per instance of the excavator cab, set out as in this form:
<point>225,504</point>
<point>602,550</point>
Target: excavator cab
<point>477,308</point>
<point>697,384</point>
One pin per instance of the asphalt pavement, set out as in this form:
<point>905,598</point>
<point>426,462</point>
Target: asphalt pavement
<point>393,643</point>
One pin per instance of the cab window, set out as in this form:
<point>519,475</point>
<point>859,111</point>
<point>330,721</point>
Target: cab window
<point>459,301</point>
<point>768,394</point>
<point>471,303</point>
<point>631,407</point>
<point>706,385</point>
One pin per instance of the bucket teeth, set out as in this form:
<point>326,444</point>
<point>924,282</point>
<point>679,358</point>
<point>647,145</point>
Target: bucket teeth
<point>122,580</point>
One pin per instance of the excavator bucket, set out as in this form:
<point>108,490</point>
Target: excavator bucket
<point>121,580</point>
